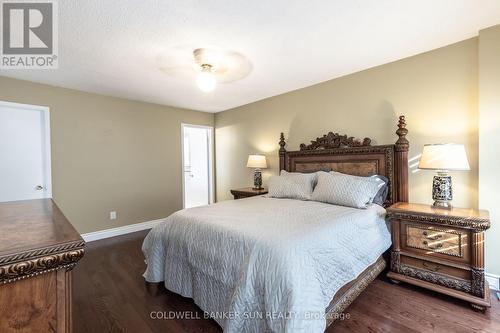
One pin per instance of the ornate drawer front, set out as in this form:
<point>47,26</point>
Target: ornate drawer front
<point>434,239</point>
<point>436,268</point>
<point>443,275</point>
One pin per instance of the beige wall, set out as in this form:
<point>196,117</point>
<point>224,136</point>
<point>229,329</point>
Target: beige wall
<point>489,139</point>
<point>110,154</point>
<point>437,91</point>
<point>115,154</point>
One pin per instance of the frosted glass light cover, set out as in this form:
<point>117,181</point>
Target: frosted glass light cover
<point>206,81</point>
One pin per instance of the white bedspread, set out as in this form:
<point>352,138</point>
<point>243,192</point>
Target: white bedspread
<point>281,260</point>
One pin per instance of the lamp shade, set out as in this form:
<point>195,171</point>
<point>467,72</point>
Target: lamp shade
<point>444,157</point>
<point>256,161</point>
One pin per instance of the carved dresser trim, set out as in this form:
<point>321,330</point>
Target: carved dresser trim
<point>476,224</point>
<point>38,249</point>
<point>30,264</point>
<point>422,274</point>
<point>26,258</point>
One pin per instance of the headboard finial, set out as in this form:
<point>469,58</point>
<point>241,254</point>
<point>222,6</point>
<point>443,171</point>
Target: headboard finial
<point>402,144</point>
<point>401,161</point>
<point>282,151</point>
<point>282,142</point>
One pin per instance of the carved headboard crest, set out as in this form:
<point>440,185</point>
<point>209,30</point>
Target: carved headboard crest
<point>346,154</point>
<point>335,140</point>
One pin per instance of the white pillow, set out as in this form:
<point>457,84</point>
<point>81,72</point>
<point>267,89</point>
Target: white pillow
<point>314,175</point>
<point>292,185</point>
<point>346,190</point>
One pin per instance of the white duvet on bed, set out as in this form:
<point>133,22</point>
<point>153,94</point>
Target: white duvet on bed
<point>281,260</point>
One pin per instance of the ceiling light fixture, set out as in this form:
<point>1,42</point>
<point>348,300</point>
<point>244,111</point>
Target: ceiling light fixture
<point>206,79</point>
<point>209,67</point>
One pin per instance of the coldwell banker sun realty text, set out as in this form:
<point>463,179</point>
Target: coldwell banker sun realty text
<point>29,34</point>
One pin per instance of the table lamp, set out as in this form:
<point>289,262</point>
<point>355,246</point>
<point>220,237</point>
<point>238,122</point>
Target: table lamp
<point>443,158</point>
<point>257,162</point>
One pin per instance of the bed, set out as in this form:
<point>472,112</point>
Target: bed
<point>264,264</point>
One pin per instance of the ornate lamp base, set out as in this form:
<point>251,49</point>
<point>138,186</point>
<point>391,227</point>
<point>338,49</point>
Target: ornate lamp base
<point>442,191</point>
<point>257,180</point>
<point>442,204</point>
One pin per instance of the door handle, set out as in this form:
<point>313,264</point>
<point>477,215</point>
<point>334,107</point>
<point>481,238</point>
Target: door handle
<point>39,188</point>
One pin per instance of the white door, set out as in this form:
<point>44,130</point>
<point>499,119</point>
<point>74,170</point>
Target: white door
<point>197,165</point>
<point>24,152</point>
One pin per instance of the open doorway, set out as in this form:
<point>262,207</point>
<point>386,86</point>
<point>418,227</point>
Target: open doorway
<point>197,165</point>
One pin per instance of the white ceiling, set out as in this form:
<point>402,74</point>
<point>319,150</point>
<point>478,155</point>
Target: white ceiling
<point>111,47</point>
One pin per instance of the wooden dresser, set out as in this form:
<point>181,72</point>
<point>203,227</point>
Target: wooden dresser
<point>440,249</point>
<point>38,249</point>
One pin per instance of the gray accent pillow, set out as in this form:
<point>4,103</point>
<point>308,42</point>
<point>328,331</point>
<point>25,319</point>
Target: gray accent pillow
<point>382,194</point>
<point>346,190</point>
<point>292,185</point>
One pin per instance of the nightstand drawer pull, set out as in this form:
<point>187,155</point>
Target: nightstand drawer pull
<point>434,268</point>
<point>432,237</point>
<point>437,246</point>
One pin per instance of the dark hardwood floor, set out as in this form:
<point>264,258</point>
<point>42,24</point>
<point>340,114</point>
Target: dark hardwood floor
<point>110,296</point>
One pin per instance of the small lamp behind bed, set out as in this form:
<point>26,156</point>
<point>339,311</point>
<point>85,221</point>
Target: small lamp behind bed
<point>258,162</point>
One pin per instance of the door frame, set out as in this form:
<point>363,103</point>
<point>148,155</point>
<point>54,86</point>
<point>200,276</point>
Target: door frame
<point>211,173</point>
<point>47,163</point>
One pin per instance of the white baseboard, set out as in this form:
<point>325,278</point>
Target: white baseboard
<point>126,229</point>
<point>493,281</point>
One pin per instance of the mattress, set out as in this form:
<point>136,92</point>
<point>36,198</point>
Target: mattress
<point>264,264</point>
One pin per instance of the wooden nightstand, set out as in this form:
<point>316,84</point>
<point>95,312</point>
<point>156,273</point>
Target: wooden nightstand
<point>440,249</point>
<point>246,192</point>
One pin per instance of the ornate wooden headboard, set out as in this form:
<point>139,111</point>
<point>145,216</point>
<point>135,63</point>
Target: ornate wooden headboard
<point>351,156</point>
